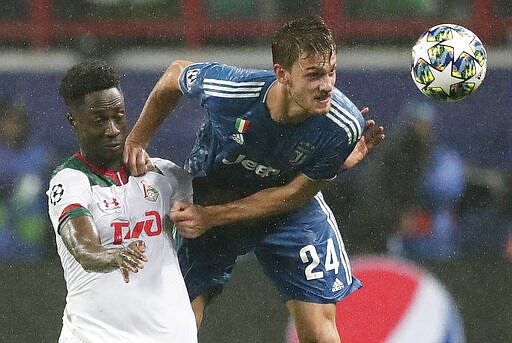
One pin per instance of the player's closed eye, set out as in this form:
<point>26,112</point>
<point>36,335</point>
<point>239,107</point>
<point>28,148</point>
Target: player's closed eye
<point>99,121</point>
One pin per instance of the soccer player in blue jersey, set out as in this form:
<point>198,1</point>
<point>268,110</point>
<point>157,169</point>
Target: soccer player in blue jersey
<point>272,140</point>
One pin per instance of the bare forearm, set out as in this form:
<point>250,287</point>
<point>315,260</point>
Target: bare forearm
<point>265,203</point>
<point>87,249</point>
<point>193,220</point>
<point>96,258</point>
<point>161,102</point>
<point>262,204</point>
<point>148,123</point>
<point>99,260</point>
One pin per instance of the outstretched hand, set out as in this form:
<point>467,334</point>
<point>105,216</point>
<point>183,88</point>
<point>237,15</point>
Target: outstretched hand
<point>131,258</point>
<point>372,136</point>
<point>136,158</point>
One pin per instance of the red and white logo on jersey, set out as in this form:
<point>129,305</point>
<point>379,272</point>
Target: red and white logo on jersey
<point>150,192</point>
<point>109,204</point>
<point>151,226</point>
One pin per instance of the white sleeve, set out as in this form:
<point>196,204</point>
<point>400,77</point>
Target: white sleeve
<point>67,188</point>
<point>179,178</point>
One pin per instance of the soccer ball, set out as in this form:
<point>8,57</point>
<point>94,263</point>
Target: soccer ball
<point>448,62</point>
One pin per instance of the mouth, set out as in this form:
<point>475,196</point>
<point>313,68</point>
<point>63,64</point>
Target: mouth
<point>323,99</point>
<point>113,146</point>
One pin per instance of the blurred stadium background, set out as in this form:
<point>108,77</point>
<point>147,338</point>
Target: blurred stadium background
<point>40,39</point>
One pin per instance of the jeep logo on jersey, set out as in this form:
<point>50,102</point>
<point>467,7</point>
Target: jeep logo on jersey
<point>152,226</point>
<point>258,169</point>
<point>301,153</point>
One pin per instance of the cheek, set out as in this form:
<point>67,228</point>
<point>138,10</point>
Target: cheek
<point>123,127</point>
<point>310,91</point>
<point>303,88</point>
<point>88,134</point>
<point>311,85</point>
<point>84,136</point>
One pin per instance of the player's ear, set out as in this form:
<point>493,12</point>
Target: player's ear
<point>280,72</point>
<point>71,120</point>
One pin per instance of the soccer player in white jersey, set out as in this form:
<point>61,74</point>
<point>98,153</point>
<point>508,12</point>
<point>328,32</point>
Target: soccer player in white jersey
<point>112,229</point>
<point>271,141</point>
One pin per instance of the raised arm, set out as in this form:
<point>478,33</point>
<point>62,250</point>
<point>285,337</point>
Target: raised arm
<point>81,238</point>
<point>161,101</point>
<point>193,220</point>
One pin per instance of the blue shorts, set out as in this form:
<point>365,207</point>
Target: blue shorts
<point>302,253</point>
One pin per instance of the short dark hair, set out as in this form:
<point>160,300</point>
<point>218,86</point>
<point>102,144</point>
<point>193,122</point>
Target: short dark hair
<point>305,35</point>
<point>87,77</point>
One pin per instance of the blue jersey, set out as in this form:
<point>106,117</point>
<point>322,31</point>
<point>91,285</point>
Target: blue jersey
<point>241,150</point>
<point>241,146</point>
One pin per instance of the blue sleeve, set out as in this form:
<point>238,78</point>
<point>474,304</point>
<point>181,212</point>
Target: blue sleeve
<point>346,125</point>
<point>222,87</point>
<point>205,80</point>
<point>330,164</point>
<point>192,78</point>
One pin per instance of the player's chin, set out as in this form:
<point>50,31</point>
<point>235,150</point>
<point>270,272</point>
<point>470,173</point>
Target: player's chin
<point>112,154</point>
<point>321,107</point>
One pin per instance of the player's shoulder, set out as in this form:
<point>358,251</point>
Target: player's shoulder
<point>215,70</point>
<point>345,117</point>
<point>164,164</point>
<point>224,88</point>
<point>344,109</point>
<point>341,101</point>
<point>72,166</point>
<point>69,163</point>
<point>222,79</point>
<point>72,170</point>
<point>169,168</point>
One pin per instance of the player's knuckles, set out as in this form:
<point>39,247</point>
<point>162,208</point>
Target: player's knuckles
<point>131,261</point>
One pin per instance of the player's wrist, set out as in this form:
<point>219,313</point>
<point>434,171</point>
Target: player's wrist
<point>116,257</point>
<point>134,140</point>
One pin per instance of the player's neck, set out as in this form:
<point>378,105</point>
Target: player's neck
<point>280,107</point>
<point>113,165</point>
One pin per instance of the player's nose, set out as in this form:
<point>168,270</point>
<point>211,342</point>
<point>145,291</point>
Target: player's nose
<point>112,129</point>
<point>326,85</point>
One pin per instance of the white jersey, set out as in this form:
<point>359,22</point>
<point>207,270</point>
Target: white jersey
<point>100,307</point>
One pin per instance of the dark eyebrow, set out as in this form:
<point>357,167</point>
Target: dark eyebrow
<point>107,108</point>
<point>314,69</point>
